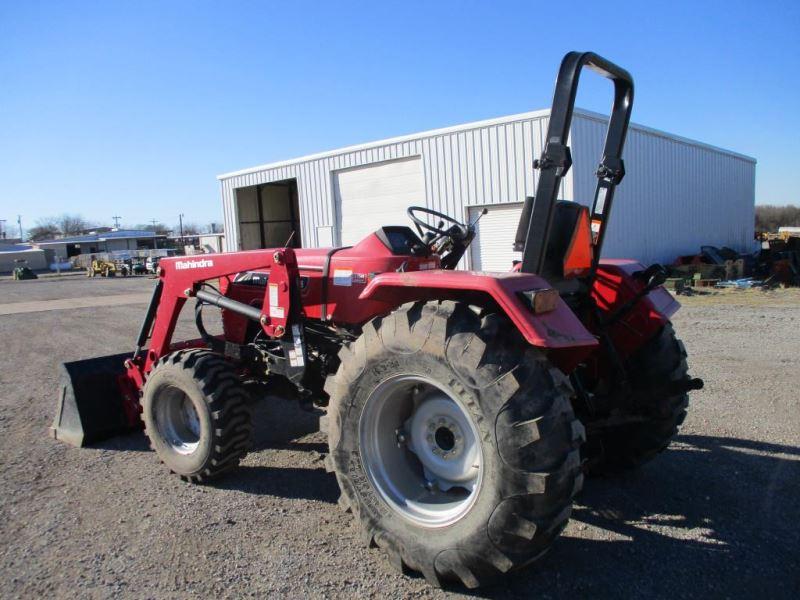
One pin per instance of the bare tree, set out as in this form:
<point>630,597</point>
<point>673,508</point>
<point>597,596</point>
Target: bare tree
<point>769,217</point>
<point>42,231</point>
<point>215,227</point>
<point>69,224</point>
<point>157,227</point>
<point>188,229</point>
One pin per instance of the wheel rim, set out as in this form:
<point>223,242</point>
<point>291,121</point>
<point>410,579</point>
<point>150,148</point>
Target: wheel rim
<point>177,420</point>
<point>421,450</point>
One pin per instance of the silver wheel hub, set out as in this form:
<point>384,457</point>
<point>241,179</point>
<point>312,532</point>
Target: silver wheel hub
<point>177,421</point>
<point>420,450</point>
<point>441,437</point>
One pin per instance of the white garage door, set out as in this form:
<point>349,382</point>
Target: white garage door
<point>375,195</point>
<point>492,248</point>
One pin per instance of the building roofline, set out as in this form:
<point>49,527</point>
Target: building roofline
<point>18,248</point>
<point>474,125</point>
<point>99,237</point>
<point>595,116</point>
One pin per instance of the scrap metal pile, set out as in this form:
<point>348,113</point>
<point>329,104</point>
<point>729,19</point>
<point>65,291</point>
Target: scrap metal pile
<point>776,263</point>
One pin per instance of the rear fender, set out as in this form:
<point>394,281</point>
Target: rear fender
<point>614,286</point>
<point>558,330</point>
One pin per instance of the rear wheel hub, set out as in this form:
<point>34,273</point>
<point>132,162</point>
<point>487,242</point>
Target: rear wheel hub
<point>420,450</point>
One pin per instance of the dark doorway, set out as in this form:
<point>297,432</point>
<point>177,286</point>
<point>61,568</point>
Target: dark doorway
<point>269,215</point>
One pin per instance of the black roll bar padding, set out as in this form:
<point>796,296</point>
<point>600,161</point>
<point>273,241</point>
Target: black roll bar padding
<point>556,158</point>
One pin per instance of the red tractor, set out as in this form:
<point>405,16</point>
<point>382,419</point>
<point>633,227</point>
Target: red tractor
<point>462,408</point>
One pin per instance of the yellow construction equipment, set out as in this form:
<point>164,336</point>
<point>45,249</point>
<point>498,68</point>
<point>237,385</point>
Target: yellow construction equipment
<point>104,268</point>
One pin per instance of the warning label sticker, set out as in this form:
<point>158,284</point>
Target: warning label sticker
<point>273,294</point>
<point>296,354</point>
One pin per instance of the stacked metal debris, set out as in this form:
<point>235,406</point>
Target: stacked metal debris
<point>777,262</point>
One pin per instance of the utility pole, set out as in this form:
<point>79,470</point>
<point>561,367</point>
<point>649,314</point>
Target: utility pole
<point>155,233</point>
<point>116,221</point>
<point>180,224</point>
<point>19,222</point>
<point>3,228</point>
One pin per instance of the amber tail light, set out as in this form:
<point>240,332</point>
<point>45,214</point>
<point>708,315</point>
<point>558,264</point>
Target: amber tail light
<point>540,301</point>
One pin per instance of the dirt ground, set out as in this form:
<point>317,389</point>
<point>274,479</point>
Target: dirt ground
<point>715,516</point>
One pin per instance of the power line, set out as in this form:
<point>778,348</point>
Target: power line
<point>116,221</point>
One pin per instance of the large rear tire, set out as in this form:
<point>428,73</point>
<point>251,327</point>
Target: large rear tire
<point>196,414</point>
<point>454,442</point>
<point>653,369</point>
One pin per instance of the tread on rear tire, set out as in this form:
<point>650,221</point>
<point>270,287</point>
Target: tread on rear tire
<point>520,406</point>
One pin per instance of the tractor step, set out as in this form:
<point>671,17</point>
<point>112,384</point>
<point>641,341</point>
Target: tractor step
<point>91,403</point>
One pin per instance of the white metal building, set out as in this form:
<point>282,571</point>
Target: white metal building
<point>106,241</point>
<point>16,255</point>
<point>678,194</point>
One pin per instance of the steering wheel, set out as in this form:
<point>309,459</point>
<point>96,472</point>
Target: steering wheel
<point>421,224</point>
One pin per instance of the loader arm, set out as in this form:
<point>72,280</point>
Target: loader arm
<point>182,278</point>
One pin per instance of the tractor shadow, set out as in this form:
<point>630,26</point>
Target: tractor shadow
<point>712,517</point>
<point>284,482</point>
<point>279,424</point>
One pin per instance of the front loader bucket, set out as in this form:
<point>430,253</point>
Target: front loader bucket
<point>90,400</point>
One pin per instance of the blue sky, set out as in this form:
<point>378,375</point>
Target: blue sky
<point>133,108</point>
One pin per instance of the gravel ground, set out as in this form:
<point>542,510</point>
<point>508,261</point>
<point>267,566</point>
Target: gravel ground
<point>715,516</point>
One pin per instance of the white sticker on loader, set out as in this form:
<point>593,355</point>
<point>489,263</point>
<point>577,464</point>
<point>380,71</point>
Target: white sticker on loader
<point>296,354</point>
<point>343,277</point>
<point>273,294</point>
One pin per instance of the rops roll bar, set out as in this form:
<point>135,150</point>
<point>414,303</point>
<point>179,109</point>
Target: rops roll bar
<point>537,216</point>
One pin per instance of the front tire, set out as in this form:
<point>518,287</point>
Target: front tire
<point>415,385</point>
<point>196,415</point>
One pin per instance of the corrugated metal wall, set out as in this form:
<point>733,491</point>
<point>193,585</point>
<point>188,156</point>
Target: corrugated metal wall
<point>676,195</point>
<point>489,164</point>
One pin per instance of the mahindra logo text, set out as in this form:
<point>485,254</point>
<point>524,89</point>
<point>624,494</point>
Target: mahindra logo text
<point>194,264</point>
